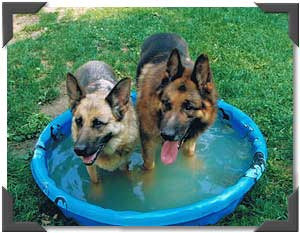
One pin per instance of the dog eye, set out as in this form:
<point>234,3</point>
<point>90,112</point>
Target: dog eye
<point>188,106</point>
<point>167,105</point>
<point>97,123</point>
<point>78,121</point>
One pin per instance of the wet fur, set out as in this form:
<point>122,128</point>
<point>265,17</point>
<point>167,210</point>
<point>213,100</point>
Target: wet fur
<point>95,81</point>
<point>157,79</point>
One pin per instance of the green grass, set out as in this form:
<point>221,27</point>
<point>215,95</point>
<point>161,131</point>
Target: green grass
<point>252,60</point>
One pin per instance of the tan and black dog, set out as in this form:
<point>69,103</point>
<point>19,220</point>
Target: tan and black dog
<point>176,98</point>
<point>104,124</point>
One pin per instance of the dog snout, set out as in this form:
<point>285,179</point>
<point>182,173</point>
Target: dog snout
<point>80,149</point>
<point>168,134</point>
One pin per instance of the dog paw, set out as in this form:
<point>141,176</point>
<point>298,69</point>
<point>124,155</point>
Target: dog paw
<point>95,180</point>
<point>149,165</point>
<point>189,153</point>
<point>96,191</point>
<point>188,148</point>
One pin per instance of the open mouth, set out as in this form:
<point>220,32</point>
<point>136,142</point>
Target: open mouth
<point>89,160</point>
<point>170,149</point>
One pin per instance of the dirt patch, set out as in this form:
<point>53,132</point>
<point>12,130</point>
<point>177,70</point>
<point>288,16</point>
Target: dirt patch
<point>20,21</point>
<point>73,12</point>
<point>53,109</point>
<point>46,65</point>
<point>59,105</point>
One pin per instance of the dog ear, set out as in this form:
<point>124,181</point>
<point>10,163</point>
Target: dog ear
<point>119,97</point>
<point>74,91</point>
<point>174,70</point>
<point>202,74</point>
<point>174,66</point>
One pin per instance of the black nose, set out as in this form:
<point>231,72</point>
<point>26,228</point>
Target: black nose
<point>168,135</point>
<point>80,150</point>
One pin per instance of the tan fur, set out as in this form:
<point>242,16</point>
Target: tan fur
<point>188,147</point>
<point>117,151</point>
<point>149,103</point>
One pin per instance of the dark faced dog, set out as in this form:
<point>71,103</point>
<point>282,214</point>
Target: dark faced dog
<point>176,98</point>
<point>104,124</point>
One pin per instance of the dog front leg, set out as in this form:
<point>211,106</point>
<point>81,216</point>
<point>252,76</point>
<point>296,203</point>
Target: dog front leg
<point>148,153</point>
<point>92,171</point>
<point>188,147</point>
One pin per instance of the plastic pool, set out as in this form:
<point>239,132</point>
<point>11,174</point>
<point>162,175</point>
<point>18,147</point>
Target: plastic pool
<point>203,212</point>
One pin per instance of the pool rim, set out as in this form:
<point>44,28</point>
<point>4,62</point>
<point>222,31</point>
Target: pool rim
<point>69,204</point>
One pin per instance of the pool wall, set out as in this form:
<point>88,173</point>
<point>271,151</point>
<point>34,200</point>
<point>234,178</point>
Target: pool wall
<point>204,212</point>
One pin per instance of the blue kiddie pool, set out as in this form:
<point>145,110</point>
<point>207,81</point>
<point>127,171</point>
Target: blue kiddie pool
<point>207,193</point>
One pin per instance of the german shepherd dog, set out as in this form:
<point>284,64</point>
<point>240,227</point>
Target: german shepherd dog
<point>176,98</point>
<point>104,123</point>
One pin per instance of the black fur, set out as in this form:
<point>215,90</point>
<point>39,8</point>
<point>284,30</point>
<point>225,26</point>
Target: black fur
<point>196,127</point>
<point>159,118</point>
<point>157,48</point>
<point>182,88</point>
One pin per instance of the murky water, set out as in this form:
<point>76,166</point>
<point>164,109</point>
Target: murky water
<point>222,158</point>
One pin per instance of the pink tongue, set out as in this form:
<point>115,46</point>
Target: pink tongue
<point>169,152</point>
<point>89,159</point>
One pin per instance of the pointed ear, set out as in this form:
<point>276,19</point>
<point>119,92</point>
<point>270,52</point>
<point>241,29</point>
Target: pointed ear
<point>202,75</point>
<point>119,97</point>
<point>174,66</point>
<point>73,90</point>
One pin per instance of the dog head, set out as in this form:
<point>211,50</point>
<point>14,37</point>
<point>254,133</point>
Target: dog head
<point>187,99</point>
<point>97,118</point>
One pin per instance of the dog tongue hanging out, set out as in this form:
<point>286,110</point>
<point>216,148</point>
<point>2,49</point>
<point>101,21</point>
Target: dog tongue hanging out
<point>169,152</point>
<point>176,98</point>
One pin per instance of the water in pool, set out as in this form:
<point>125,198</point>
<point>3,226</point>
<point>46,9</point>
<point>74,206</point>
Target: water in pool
<point>222,158</point>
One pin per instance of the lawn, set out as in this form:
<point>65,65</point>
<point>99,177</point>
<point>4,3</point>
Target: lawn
<point>252,61</point>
